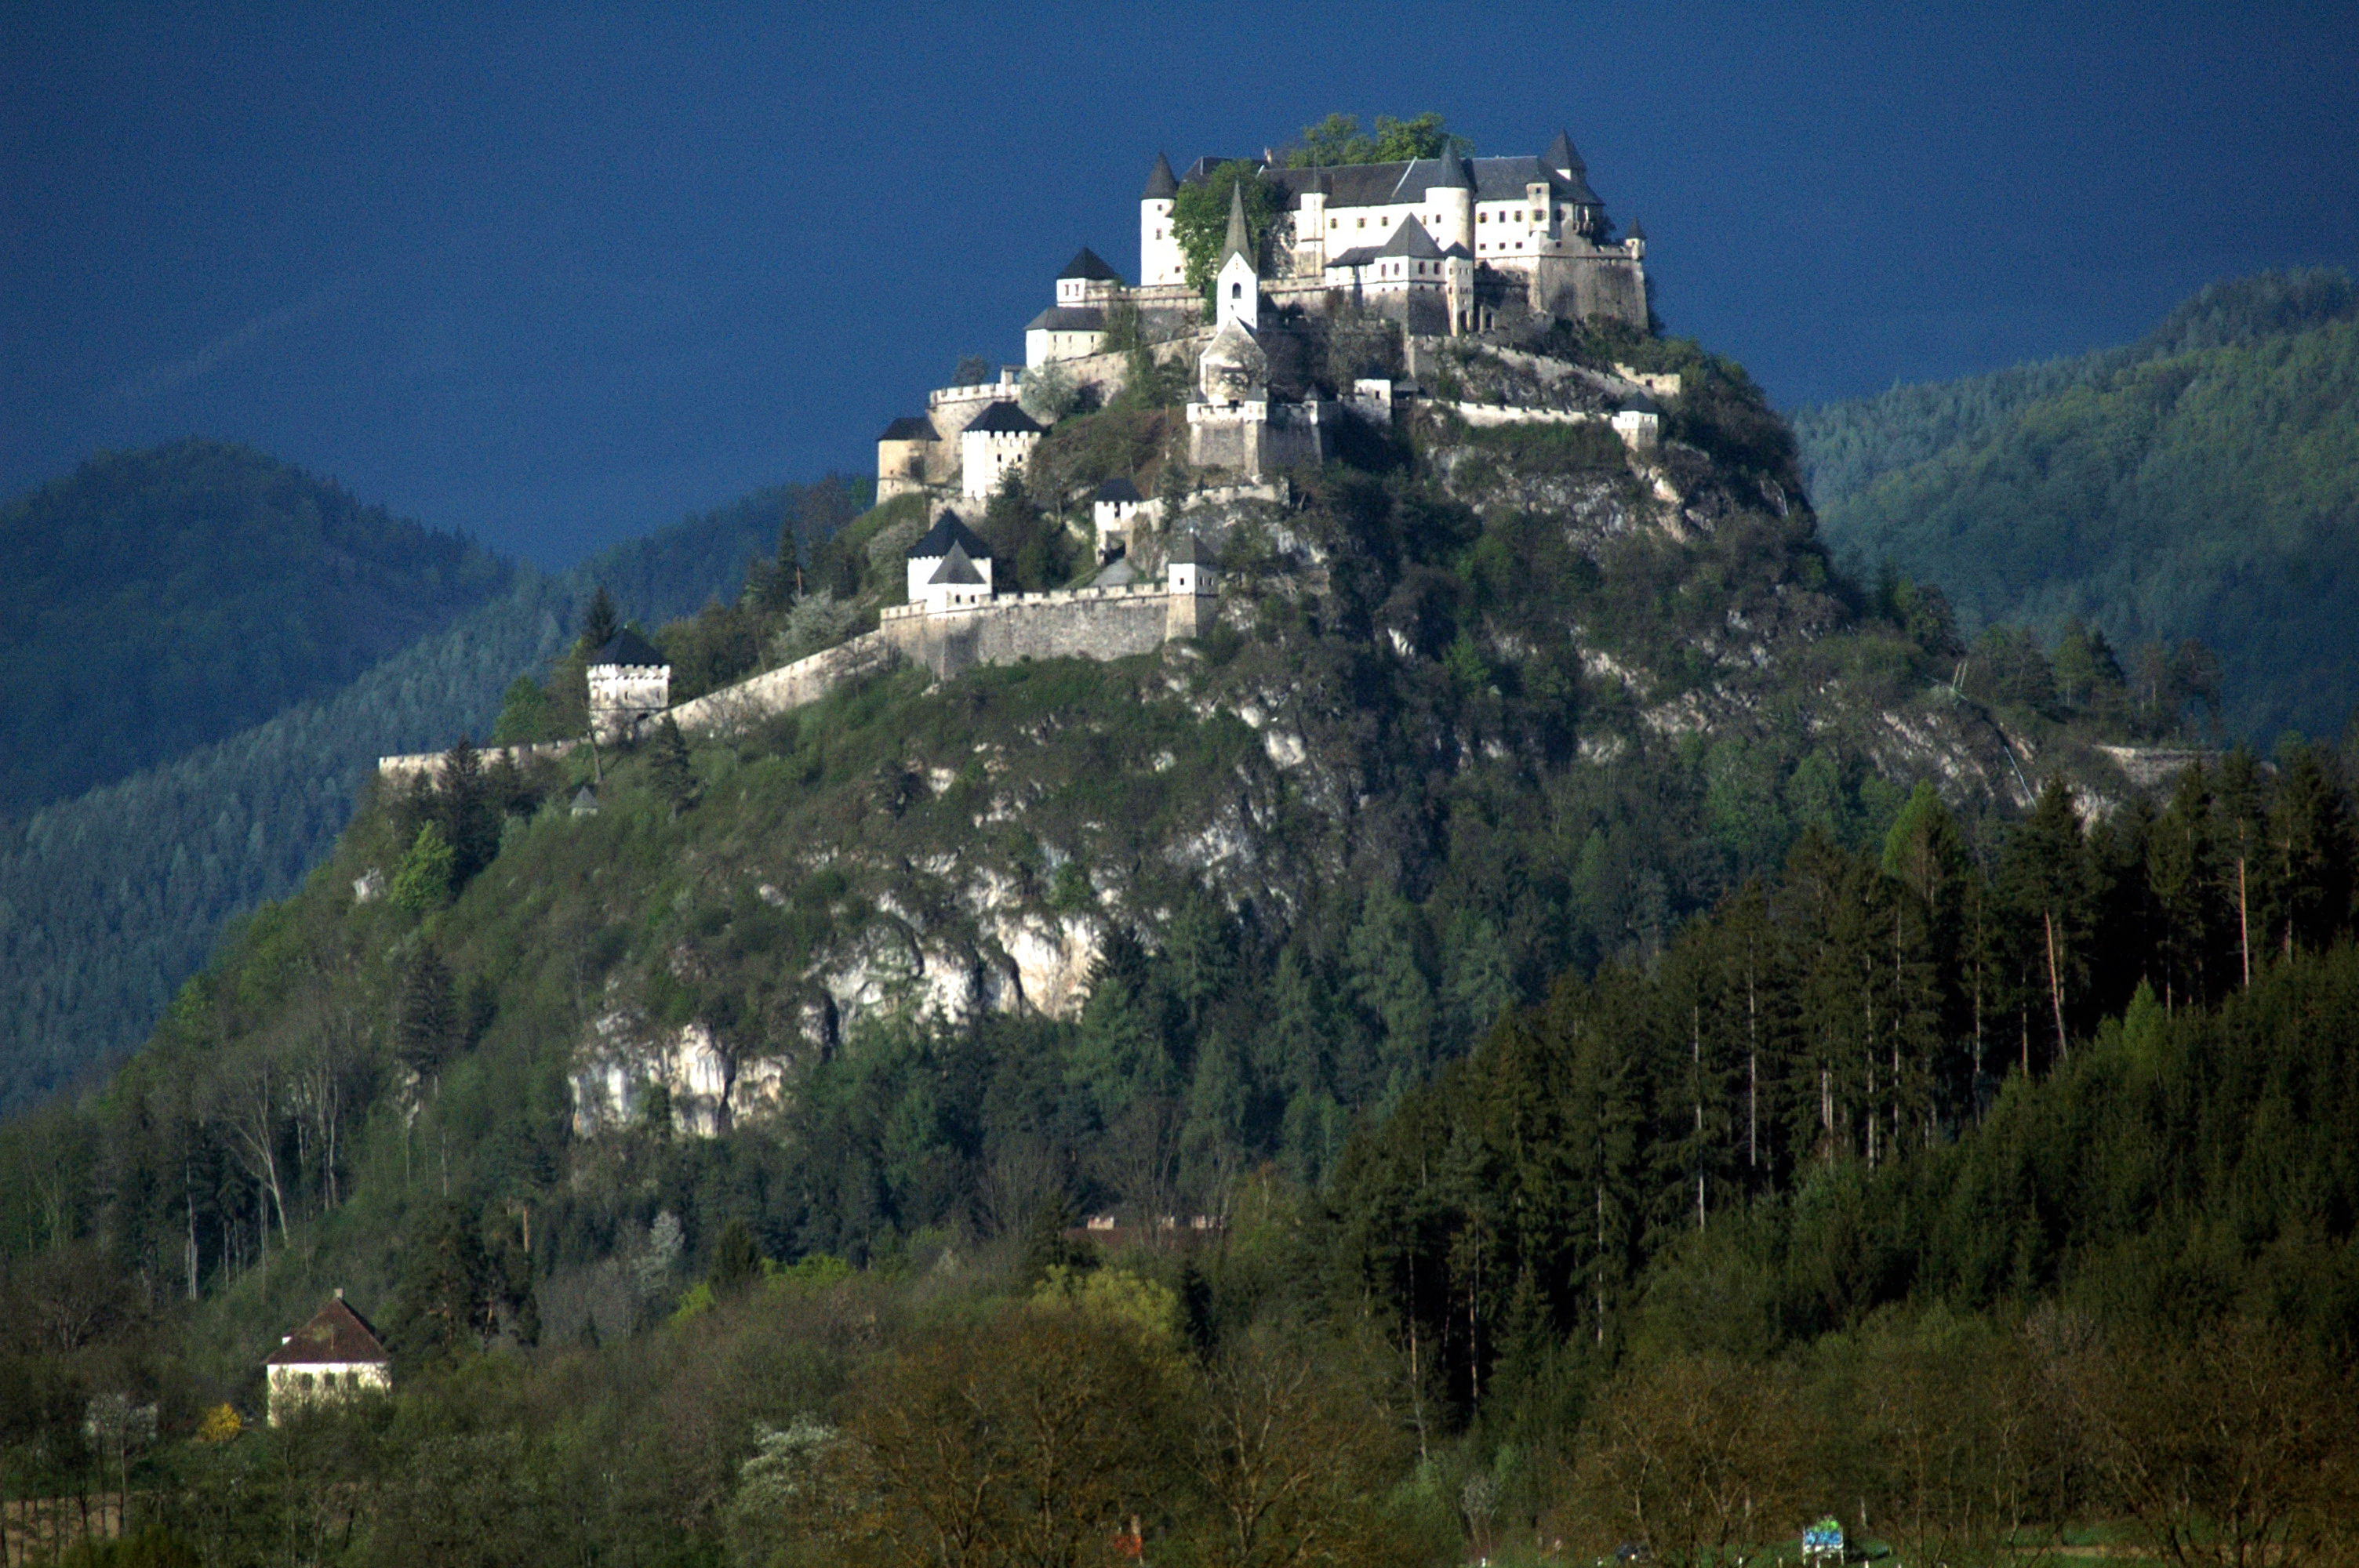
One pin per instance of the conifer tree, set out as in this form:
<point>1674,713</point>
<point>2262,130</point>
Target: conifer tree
<point>599,623</point>
<point>675,776</point>
<point>425,1013</point>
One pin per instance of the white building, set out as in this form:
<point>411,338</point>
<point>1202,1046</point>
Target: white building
<point>998,440</point>
<point>1119,511</point>
<point>336,1356</point>
<point>630,682</point>
<point>950,567</point>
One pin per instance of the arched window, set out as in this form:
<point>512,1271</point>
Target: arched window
<point>1236,291</point>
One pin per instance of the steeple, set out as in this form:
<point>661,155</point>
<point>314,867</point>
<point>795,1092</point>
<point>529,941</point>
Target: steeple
<point>1238,242</point>
<point>1160,184</point>
<point>1563,157</point>
<point>1453,176</point>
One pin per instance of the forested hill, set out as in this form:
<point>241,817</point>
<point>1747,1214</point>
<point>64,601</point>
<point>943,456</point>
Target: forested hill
<point>161,599</point>
<point>109,901</point>
<point>1645,1073</point>
<point>2201,484</point>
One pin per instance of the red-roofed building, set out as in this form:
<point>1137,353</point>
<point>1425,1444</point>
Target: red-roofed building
<point>335,1356</point>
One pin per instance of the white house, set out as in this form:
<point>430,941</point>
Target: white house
<point>999,440</point>
<point>950,567</point>
<point>336,1356</point>
<point>630,681</point>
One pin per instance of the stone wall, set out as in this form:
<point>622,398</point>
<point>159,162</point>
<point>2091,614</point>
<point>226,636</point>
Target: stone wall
<point>733,708</point>
<point>1085,623</point>
<point>414,764</point>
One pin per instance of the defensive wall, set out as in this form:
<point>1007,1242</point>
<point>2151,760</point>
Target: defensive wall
<point>1076,623</point>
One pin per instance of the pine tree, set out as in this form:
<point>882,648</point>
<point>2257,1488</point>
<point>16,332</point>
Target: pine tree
<point>600,622</point>
<point>425,1013</point>
<point>675,776</point>
<point>737,1258</point>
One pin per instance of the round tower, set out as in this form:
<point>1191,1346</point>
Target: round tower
<point>1159,249</point>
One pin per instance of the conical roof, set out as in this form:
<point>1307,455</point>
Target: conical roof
<point>1453,176</point>
<point>947,534</point>
<point>957,569</point>
<point>1087,264</point>
<point>1238,242</point>
<point>1639,232</point>
<point>1188,550</point>
<point>1005,419</point>
<point>1563,156</point>
<point>1411,240</point>
<point>1161,186</point>
<point>627,647</point>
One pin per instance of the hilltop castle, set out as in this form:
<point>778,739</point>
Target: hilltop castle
<point>1439,246</point>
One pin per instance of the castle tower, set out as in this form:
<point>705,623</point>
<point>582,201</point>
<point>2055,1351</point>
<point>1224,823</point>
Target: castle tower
<point>1453,197</point>
<point>1159,260</point>
<point>1311,227</point>
<point>1236,296</point>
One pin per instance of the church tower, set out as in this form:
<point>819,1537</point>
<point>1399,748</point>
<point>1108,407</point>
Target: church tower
<point>1238,291</point>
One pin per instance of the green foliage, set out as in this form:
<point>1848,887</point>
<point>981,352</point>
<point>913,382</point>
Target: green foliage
<point>167,599</point>
<point>674,774</point>
<point>1338,139</point>
<point>2196,486</point>
<point>110,901</point>
<point>424,882</point>
<point>1200,218</point>
<point>1049,393</point>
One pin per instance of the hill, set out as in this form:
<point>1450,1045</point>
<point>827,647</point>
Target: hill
<point>2197,484</point>
<point>162,600</point>
<point>1584,966</point>
<point>109,901</point>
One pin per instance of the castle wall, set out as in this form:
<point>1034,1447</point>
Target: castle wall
<point>1585,287</point>
<point>1086,624</point>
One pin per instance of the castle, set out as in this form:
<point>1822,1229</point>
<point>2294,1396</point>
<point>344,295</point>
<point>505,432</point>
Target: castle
<point>1439,246</point>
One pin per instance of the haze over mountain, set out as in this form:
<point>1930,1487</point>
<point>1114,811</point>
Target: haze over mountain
<point>163,598</point>
<point>2201,482</point>
<point>112,898</point>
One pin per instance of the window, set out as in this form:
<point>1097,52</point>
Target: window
<point>1334,223</point>
<point>351,1379</point>
<point>1363,223</point>
<point>1236,291</point>
<point>1481,217</point>
<point>303,1381</point>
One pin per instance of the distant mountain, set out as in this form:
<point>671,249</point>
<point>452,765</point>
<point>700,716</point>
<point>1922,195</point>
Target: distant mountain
<point>161,600</point>
<point>2202,482</point>
<point>109,901</point>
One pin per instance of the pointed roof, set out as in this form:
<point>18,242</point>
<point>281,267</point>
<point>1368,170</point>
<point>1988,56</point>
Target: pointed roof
<point>1637,231</point>
<point>1004,419</point>
<point>947,534</point>
<point>1116,488</point>
<point>910,428</point>
<point>335,1333</point>
<point>1160,184</point>
<point>1411,240</point>
<point>1562,157</point>
<point>956,570</point>
<point>1087,264</point>
<point>627,647</point>
<point>1188,550</point>
<point>1238,242</point>
<point>1452,175</point>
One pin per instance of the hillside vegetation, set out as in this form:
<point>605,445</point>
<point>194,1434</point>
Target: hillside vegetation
<point>161,600</point>
<point>108,902</point>
<point>2202,483</point>
<point>1565,1027</point>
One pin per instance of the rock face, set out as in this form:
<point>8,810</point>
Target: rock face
<point>1513,682</point>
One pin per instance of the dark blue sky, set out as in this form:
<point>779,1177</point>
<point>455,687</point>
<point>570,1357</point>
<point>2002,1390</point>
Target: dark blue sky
<point>556,277</point>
